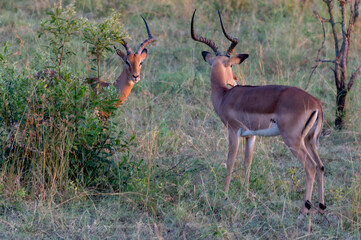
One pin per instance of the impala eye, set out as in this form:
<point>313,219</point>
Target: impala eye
<point>126,62</point>
<point>141,63</point>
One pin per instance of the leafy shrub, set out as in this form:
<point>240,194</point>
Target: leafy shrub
<point>102,35</point>
<point>62,26</point>
<point>51,133</point>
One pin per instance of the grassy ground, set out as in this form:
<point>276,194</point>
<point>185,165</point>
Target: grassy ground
<point>181,141</point>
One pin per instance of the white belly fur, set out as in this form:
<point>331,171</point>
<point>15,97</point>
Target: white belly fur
<point>272,131</point>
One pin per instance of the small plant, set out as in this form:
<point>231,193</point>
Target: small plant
<point>62,26</point>
<point>292,174</point>
<point>217,232</point>
<point>337,195</point>
<point>101,36</point>
<point>11,98</point>
<point>20,193</point>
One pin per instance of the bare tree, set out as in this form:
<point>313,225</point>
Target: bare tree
<point>342,46</point>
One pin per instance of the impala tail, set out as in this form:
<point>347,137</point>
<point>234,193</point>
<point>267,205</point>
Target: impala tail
<point>313,127</point>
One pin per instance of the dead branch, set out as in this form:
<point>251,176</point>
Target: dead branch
<point>347,34</point>
<point>353,18</point>
<point>322,20</point>
<point>333,25</point>
<point>326,61</point>
<point>333,70</point>
<point>344,46</point>
<point>353,77</point>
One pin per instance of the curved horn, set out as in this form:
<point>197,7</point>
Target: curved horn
<point>126,46</point>
<point>233,40</point>
<point>210,43</point>
<point>146,42</point>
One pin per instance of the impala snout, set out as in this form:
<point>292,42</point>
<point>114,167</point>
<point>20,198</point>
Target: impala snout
<point>136,78</point>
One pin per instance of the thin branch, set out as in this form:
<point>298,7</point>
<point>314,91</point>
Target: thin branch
<point>326,61</point>
<point>345,42</point>
<point>343,24</point>
<point>354,13</point>
<point>352,17</point>
<point>322,20</point>
<point>332,22</point>
<point>351,23</point>
<point>11,225</point>
<point>353,77</point>
<point>333,70</point>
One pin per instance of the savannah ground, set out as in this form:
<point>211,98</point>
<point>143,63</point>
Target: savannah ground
<point>174,177</point>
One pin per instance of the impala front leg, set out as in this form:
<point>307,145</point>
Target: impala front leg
<point>248,154</point>
<point>233,141</point>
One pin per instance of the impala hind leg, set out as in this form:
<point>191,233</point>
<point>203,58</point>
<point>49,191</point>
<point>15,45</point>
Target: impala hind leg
<point>310,169</point>
<point>248,154</point>
<point>233,141</point>
<point>319,174</point>
<point>299,150</point>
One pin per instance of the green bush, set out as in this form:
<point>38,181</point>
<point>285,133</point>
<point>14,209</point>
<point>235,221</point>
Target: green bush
<point>51,130</point>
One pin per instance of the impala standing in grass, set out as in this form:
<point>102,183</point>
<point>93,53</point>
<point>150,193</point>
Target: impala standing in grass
<point>250,111</point>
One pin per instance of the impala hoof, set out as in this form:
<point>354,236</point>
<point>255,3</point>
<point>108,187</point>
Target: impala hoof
<point>306,209</point>
<point>322,206</point>
<point>308,205</point>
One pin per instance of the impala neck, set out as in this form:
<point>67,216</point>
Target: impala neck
<point>219,88</point>
<point>124,84</point>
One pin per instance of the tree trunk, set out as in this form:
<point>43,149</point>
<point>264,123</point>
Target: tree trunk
<point>341,52</point>
<point>340,110</point>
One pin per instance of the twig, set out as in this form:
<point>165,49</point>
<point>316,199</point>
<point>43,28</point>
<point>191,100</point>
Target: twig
<point>345,38</point>
<point>325,61</point>
<point>354,13</point>
<point>323,214</point>
<point>333,25</point>
<point>322,20</point>
<point>2,220</point>
<point>353,77</point>
<point>97,194</point>
<point>157,232</point>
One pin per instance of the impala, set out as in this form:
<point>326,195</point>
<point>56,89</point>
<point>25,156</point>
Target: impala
<point>131,71</point>
<point>250,111</point>
<point>129,76</point>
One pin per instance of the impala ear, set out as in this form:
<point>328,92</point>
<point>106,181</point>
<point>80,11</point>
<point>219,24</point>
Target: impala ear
<point>237,59</point>
<point>207,56</point>
<point>121,54</point>
<point>144,54</point>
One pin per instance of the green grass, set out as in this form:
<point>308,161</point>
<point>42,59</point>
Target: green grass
<point>175,191</point>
